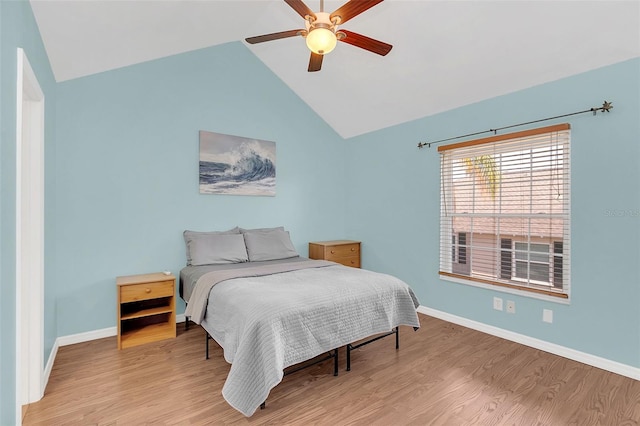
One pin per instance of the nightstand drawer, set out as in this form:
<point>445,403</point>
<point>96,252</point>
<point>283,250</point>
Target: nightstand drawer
<point>151,290</point>
<point>353,261</point>
<point>332,252</point>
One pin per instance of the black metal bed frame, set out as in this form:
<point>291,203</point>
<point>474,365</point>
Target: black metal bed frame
<point>331,354</point>
<point>351,347</point>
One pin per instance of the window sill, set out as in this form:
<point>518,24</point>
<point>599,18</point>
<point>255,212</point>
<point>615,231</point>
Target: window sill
<point>524,281</point>
<point>560,298</point>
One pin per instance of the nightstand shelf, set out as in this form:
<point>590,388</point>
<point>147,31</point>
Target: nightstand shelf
<point>146,308</point>
<point>145,313</point>
<point>149,333</point>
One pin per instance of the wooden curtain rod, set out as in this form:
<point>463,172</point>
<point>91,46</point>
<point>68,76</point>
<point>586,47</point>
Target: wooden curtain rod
<point>606,107</point>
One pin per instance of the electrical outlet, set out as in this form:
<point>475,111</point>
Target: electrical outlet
<point>497,303</point>
<point>511,307</point>
<point>547,315</point>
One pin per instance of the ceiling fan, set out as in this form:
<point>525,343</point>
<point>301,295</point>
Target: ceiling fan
<point>321,30</point>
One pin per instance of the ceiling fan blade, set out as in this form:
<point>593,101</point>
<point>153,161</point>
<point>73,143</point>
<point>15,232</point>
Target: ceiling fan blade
<point>364,42</point>
<point>272,36</point>
<point>315,62</point>
<point>352,9</point>
<point>302,9</point>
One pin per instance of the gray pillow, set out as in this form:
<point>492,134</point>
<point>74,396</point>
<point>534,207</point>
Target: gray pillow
<point>272,245</point>
<point>192,235</point>
<point>217,249</point>
<point>244,230</point>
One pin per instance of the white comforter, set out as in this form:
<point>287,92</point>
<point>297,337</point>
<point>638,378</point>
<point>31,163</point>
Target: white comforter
<point>267,323</point>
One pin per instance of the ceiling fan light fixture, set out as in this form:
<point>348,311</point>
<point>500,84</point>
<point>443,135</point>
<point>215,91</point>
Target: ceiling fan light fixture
<point>321,40</point>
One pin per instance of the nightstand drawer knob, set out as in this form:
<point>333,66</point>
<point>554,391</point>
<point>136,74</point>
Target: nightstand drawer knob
<point>147,290</point>
<point>353,249</point>
<point>333,252</point>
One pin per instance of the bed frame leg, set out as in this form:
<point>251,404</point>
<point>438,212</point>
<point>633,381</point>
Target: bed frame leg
<point>186,323</point>
<point>397,338</point>
<point>264,404</point>
<point>349,347</point>
<point>206,345</point>
<point>335,362</point>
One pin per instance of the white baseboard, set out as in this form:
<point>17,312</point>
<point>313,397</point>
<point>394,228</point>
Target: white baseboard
<point>583,357</point>
<point>49,366</point>
<point>72,339</point>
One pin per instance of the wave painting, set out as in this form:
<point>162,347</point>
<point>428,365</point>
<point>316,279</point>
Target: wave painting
<point>237,166</point>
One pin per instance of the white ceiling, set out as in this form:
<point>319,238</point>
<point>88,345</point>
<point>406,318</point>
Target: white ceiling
<point>446,53</point>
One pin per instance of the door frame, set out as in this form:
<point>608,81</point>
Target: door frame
<point>29,236</point>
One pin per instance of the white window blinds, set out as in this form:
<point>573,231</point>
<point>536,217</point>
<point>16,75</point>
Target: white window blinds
<point>505,210</point>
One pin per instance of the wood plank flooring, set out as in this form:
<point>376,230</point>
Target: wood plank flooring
<point>443,374</point>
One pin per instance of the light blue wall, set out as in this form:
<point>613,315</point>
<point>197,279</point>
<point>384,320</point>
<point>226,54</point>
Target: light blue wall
<point>121,162</point>
<point>395,210</point>
<point>18,29</point>
<point>127,175</point>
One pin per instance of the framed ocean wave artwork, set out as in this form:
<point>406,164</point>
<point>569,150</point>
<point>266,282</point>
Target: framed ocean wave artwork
<point>237,166</point>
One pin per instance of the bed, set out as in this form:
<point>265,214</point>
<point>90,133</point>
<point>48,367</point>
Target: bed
<point>275,309</point>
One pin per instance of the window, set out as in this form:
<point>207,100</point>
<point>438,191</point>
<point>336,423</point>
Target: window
<point>462,248</point>
<point>532,263</point>
<point>505,211</point>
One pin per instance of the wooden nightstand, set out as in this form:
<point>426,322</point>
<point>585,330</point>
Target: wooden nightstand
<point>346,252</point>
<point>146,308</point>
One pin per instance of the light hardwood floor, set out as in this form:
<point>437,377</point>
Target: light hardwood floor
<point>443,374</point>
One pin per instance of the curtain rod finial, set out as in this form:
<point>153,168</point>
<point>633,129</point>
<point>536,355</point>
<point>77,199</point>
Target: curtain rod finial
<point>606,107</point>
<point>423,144</point>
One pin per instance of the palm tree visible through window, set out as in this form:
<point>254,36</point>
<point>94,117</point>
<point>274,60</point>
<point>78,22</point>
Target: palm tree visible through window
<point>485,170</point>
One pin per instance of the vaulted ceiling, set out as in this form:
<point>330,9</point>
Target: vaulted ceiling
<point>445,53</point>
